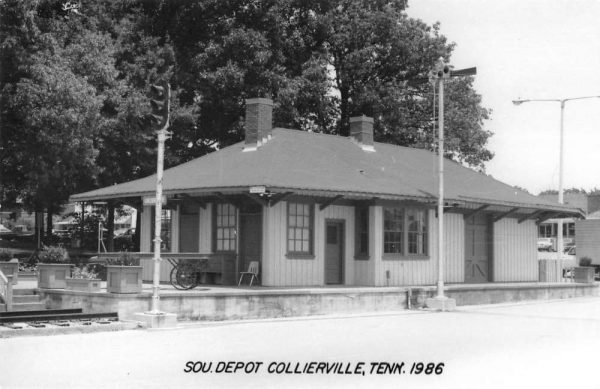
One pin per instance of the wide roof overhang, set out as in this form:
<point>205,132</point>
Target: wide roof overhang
<point>266,192</point>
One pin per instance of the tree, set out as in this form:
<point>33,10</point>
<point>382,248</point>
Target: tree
<point>323,62</point>
<point>520,188</point>
<point>74,85</point>
<point>54,115</point>
<point>566,191</point>
<point>72,93</point>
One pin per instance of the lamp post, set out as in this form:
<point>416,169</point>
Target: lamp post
<point>559,229</point>
<point>160,118</point>
<point>437,76</point>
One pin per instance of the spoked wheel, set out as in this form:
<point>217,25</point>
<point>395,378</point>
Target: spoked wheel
<point>185,277</point>
<point>173,279</point>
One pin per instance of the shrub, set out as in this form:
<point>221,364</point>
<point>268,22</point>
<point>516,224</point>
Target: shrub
<point>585,261</point>
<point>84,273</point>
<point>5,255</point>
<point>53,254</point>
<point>125,258</point>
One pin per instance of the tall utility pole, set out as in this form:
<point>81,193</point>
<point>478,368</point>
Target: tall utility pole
<point>438,75</point>
<point>561,154</point>
<point>160,116</point>
<point>443,69</point>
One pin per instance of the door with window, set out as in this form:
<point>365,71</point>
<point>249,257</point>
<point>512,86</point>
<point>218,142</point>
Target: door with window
<point>334,252</point>
<point>189,227</point>
<point>250,236</point>
<point>477,249</point>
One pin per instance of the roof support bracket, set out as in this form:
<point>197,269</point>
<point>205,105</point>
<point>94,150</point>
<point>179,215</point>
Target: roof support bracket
<point>449,207</point>
<point>279,197</point>
<point>257,199</point>
<point>530,216</point>
<point>505,214</point>
<point>476,211</point>
<point>546,216</point>
<point>195,200</point>
<point>329,202</point>
<point>227,200</point>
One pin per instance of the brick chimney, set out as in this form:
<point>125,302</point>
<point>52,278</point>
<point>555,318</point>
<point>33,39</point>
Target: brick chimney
<point>259,122</point>
<point>361,130</point>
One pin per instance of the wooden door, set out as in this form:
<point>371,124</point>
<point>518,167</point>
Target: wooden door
<point>189,228</point>
<point>477,249</point>
<point>250,239</point>
<point>334,252</point>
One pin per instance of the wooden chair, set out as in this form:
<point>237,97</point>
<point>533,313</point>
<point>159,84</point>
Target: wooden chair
<point>252,271</point>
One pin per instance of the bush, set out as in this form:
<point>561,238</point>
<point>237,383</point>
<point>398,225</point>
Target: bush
<point>5,255</point>
<point>125,258</point>
<point>84,273</point>
<point>585,261</point>
<point>53,254</point>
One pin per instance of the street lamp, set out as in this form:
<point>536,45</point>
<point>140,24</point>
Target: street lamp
<point>438,75</point>
<point>559,230</point>
<point>160,120</point>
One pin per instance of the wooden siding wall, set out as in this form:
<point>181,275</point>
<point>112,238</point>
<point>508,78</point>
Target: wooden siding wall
<point>145,230</point>
<point>364,270</point>
<point>454,242</point>
<point>405,272</point>
<point>515,251</point>
<point>278,270</point>
<point>587,235</point>
<point>205,237</point>
<point>175,230</point>
<point>148,270</point>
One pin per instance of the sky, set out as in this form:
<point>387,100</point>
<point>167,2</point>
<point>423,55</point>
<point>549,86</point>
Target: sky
<point>530,49</point>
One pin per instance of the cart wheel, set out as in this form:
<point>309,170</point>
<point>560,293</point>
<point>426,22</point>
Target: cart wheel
<point>173,279</point>
<point>185,277</point>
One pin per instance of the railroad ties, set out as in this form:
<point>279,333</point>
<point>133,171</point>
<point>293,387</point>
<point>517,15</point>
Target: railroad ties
<point>53,318</point>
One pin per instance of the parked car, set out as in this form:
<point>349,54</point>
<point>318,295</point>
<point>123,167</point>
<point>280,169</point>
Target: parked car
<point>545,244</point>
<point>22,230</point>
<point>64,229</point>
<point>6,233</point>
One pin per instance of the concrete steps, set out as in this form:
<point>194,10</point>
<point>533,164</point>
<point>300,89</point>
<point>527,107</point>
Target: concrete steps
<point>25,300</point>
<point>24,292</point>
<point>20,307</point>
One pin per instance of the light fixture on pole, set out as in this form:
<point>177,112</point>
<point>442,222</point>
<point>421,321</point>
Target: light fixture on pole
<point>438,75</point>
<point>160,119</point>
<point>559,229</point>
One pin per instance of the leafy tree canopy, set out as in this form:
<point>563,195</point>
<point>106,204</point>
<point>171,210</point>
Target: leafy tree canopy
<point>322,62</point>
<point>74,83</point>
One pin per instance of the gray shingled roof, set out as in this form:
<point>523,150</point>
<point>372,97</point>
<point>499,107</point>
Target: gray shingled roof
<point>305,162</point>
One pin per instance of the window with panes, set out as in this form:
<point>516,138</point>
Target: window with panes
<point>416,220</point>
<point>405,231</point>
<point>546,230</point>
<point>361,218</point>
<point>225,226</point>
<point>300,228</point>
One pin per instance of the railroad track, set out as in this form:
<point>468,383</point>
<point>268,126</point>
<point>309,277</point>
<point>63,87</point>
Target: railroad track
<point>54,318</point>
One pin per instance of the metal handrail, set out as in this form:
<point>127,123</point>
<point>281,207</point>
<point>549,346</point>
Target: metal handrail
<point>6,291</point>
